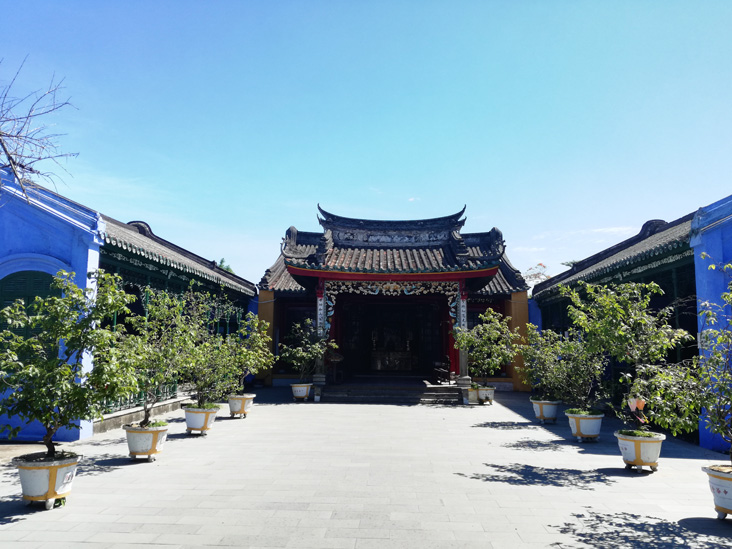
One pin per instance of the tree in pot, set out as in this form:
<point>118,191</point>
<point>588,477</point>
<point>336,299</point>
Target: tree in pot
<point>250,352</point>
<point>48,375</point>
<point>304,348</point>
<point>158,343</point>
<point>618,320</point>
<point>666,395</point>
<point>581,372</point>
<point>490,345</point>
<point>715,371</point>
<point>209,365</point>
<point>542,372</point>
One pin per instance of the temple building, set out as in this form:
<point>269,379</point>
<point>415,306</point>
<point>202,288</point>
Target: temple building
<point>390,292</point>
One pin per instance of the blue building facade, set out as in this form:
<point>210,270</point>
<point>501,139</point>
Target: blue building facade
<point>42,233</point>
<point>711,234</point>
<point>668,253</point>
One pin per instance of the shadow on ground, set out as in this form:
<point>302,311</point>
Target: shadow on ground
<point>535,445</point>
<point>506,425</point>
<point>614,530</point>
<point>14,508</point>
<point>528,475</point>
<point>104,463</point>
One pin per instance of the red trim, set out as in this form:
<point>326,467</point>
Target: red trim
<point>391,277</point>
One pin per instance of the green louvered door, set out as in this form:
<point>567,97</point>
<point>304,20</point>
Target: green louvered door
<point>25,285</point>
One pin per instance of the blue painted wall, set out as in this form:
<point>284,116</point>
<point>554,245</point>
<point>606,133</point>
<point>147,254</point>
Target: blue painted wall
<point>535,314</point>
<point>47,233</point>
<point>711,233</point>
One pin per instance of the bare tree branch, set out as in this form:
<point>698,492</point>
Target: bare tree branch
<point>26,140</point>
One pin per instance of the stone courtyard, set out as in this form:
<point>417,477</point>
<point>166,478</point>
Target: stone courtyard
<point>373,476</point>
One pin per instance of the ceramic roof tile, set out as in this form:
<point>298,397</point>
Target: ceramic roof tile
<point>656,238</point>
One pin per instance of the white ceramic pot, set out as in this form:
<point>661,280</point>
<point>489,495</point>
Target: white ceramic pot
<point>720,483</point>
<point>46,480</point>
<point>241,404</point>
<point>472,396</point>
<point>546,410</point>
<point>485,394</point>
<point>145,441</point>
<point>301,390</point>
<point>585,427</point>
<point>640,451</point>
<point>200,419</point>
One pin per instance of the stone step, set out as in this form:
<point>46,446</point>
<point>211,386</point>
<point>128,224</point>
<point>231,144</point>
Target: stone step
<point>392,394</point>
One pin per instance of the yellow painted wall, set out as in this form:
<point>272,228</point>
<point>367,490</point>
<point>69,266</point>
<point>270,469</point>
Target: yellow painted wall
<point>518,309</point>
<point>266,311</point>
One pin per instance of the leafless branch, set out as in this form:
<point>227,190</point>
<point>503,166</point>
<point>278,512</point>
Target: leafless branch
<point>26,140</point>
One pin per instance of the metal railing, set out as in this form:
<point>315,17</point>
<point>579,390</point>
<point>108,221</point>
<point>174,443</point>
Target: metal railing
<point>167,391</point>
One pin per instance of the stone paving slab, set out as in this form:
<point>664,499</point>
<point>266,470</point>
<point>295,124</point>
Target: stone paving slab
<point>305,475</point>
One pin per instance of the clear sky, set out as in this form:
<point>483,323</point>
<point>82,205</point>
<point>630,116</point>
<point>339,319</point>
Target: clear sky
<point>565,124</point>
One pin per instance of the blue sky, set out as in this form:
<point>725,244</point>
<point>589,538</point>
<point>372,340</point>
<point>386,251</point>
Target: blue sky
<point>567,125</point>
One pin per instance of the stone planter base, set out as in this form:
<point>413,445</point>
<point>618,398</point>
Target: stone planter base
<point>200,419</point>
<point>640,451</point>
<point>241,405</point>
<point>546,410</point>
<point>486,394</point>
<point>472,396</point>
<point>46,480</point>
<point>720,483</point>
<point>584,427</point>
<point>301,391</point>
<point>145,441</point>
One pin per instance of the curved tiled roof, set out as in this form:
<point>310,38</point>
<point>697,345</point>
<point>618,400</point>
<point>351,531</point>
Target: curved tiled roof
<point>656,239</point>
<point>137,237</point>
<point>330,221</point>
<point>399,247</point>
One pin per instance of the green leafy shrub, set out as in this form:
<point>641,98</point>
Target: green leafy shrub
<point>46,372</point>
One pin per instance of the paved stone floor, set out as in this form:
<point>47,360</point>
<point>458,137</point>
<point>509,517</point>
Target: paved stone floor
<point>374,476</point>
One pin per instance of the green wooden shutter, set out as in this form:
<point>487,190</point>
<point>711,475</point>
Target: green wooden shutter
<point>25,285</point>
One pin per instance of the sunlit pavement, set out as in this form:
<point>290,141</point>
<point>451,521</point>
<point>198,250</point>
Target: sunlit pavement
<point>361,476</point>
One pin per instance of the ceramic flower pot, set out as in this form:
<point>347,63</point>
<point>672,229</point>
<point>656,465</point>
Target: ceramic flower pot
<point>46,481</point>
<point>720,483</point>
<point>145,441</point>
<point>200,419</point>
<point>301,391</point>
<point>472,396</point>
<point>585,427</point>
<point>241,405</point>
<point>546,410</point>
<point>640,451</point>
<point>485,394</point>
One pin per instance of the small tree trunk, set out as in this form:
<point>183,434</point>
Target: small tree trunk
<point>48,441</point>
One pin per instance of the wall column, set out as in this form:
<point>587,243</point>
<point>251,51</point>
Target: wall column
<point>518,309</point>
<point>320,325</point>
<point>462,322</point>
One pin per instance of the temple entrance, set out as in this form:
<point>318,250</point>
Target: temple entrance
<point>389,337</point>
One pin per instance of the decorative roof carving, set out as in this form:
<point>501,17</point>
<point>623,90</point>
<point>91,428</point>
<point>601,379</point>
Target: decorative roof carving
<point>425,246</point>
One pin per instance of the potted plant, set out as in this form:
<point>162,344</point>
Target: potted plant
<point>305,349</point>
<point>156,346</point>
<point>209,367</point>
<point>542,372</point>
<point>62,373</point>
<point>715,372</point>
<point>666,395</point>
<point>490,344</point>
<point>617,320</point>
<point>250,352</point>
<point>581,372</point>
<point>473,393</point>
